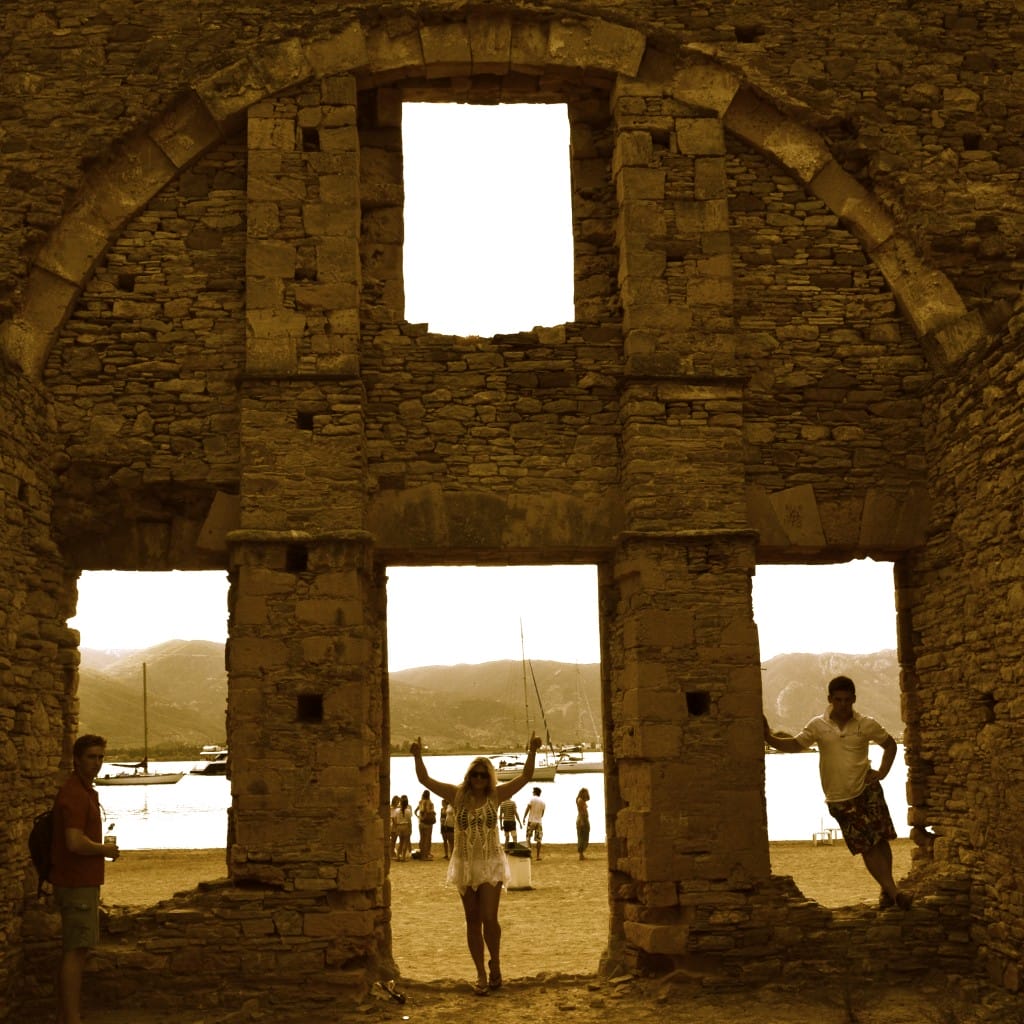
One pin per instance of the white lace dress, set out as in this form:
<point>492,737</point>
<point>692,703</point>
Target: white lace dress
<point>478,856</point>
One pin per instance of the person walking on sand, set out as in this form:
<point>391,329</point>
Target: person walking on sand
<point>532,816</point>
<point>853,791</point>
<point>478,866</point>
<point>510,819</point>
<point>78,856</point>
<point>582,822</point>
<point>427,816</point>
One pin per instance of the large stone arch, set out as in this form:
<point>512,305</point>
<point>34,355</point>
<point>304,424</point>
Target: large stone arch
<point>145,163</point>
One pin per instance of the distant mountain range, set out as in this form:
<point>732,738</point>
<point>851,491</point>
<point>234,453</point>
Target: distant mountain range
<point>455,708</point>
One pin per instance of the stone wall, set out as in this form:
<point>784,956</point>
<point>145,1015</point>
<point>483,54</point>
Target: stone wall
<point>779,354</point>
<point>963,699</point>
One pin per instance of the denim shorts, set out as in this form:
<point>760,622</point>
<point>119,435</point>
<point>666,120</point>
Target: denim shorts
<point>79,915</point>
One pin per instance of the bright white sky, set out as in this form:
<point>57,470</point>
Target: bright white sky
<point>450,615</point>
<point>501,172</point>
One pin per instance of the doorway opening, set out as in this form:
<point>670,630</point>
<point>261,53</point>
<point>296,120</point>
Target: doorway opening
<point>488,217</point>
<point>460,639</point>
<point>174,624</point>
<point>816,622</point>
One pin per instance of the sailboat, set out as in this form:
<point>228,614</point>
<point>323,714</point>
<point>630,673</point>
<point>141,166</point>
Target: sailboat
<point>140,775</point>
<point>510,766</point>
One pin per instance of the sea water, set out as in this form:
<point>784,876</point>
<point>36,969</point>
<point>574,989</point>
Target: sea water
<point>192,813</point>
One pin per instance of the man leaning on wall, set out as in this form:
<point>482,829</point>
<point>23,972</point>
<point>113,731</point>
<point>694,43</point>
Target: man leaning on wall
<point>77,873</point>
<point>853,791</point>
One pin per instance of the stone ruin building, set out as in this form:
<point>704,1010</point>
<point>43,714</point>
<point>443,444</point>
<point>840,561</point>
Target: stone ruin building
<point>796,339</point>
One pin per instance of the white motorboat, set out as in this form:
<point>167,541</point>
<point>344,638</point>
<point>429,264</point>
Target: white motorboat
<point>217,765</point>
<point>510,766</point>
<point>576,760</point>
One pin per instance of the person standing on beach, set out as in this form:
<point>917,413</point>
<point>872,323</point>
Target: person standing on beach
<point>427,816</point>
<point>509,814</point>
<point>78,855</point>
<point>853,791</point>
<point>447,828</point>
<point>478,866</point>
<point>582,822</point>
<point>403,825</point>
<point>532,816</point>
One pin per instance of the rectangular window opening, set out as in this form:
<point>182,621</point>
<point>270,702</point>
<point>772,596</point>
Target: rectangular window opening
<point>488,217</point>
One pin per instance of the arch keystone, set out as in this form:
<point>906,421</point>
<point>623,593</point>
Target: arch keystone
<point>490,43</point>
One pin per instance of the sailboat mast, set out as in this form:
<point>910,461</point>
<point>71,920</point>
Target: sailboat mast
<point>145,722</point>
<point>526,691</point>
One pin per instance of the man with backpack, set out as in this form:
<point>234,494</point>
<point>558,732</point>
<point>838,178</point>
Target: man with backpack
<point>78,860</point>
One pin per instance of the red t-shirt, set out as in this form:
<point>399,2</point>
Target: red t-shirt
<point>77,806</point>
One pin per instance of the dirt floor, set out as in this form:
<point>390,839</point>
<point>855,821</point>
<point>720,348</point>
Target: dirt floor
<point>553,936</point>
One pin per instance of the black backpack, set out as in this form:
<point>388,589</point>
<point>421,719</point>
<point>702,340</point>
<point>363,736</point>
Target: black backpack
<point>40,847</point>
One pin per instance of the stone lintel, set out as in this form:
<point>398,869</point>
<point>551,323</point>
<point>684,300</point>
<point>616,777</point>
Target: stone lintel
<point>446,47</point>
<point>390,53</point>
<point>664,939</point>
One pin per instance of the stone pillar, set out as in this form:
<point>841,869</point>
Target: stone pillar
<point>687,794</point>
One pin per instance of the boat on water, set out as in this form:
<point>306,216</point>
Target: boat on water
<point>510,766</point>
<point>575,760</point>
<point>139,773</point>
<point>213,752</point>
<point>213,762</point>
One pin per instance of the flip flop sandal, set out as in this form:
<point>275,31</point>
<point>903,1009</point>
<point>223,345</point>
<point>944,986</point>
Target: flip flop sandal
<point>494,981</point>
<point>480,990</point>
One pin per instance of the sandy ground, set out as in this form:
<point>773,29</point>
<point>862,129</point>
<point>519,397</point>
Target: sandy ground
<point>553,936</point>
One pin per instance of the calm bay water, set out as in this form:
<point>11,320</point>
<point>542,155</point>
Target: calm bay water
<point>191,815</point>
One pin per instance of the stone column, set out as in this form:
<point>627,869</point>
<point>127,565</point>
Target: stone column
<point>306,708</point>
<point>689,823</point>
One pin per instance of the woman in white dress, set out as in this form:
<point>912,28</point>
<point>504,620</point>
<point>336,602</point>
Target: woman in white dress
<point>478,866</point>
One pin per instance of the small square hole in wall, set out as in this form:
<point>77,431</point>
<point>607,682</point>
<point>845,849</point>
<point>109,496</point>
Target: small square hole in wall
<point>296,558</point>
<point>698,702</point>
<point>309,707</point>
<point>304,420</point>
<point>488,217</point>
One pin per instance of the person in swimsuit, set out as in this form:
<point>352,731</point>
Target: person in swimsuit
<point>478,866</point>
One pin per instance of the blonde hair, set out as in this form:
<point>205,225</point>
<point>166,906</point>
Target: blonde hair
<point>475,765</point>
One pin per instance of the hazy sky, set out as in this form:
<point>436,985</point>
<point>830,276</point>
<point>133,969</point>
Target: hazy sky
<point>445,615</point>
<point>501,171</point>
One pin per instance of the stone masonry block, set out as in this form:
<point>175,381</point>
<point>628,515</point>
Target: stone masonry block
<point>446,47</point>
<point>529,49</point>
<point>797,511</point>
<point>343,51</point>
<point>848,199</point>
<point>706,87</point>
<point>76,243</point>
<point>272,340</point>
<point>186,131</point>
<point>767,129</point>
<point>632,149</point>
<point>283,65</point>
<point>230,90</point>
<point>597,44</point>
<point>948,343</point>
<point>763,519</point>
<point>266,257</point>
<point>388,53</point>
<point>700,136</point>
<point>141,170</point>
<point>640,183</point>
<point>29,337</point>
<point>664,939</point>
<point>275,133</point>
<point>490,42</point>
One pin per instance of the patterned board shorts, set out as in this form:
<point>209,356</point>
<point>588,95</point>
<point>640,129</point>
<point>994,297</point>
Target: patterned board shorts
<point>535,830</point>
<point>865,819</point>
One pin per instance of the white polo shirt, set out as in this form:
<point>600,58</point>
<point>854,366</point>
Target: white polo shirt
<point>843,753</point>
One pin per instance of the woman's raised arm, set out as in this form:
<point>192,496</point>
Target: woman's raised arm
<point>443,789</point>
<point>507,789</point>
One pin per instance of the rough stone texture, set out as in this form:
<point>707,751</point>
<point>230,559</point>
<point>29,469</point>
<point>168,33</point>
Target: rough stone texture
<point>795,339</point>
